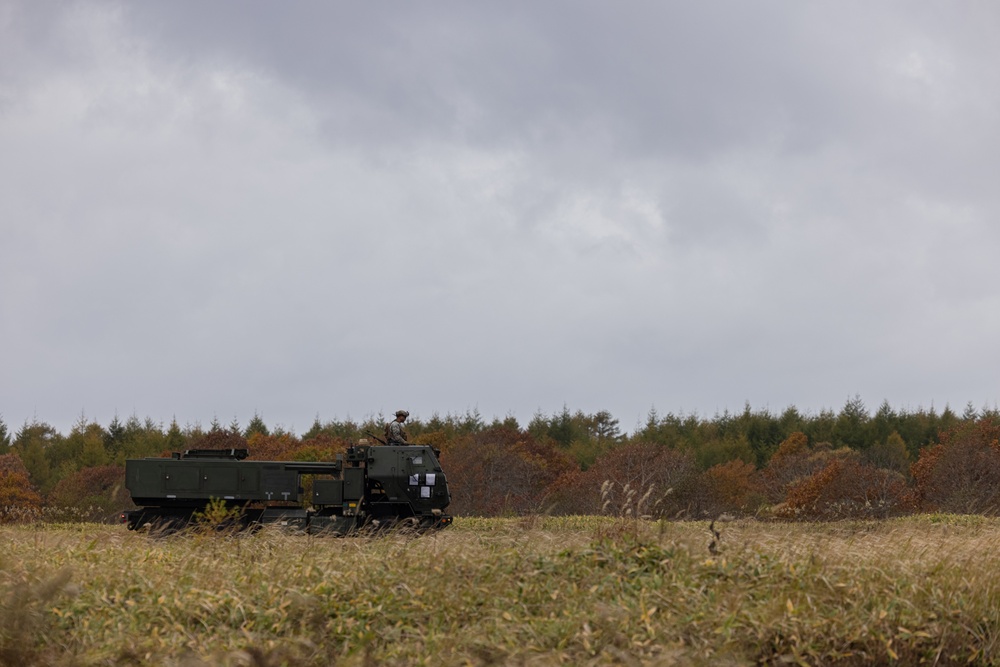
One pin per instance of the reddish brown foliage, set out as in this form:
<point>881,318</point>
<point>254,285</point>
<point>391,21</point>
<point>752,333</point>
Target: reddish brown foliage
<point>733,487</point>
<point>639,479</point>
<point>962,472</point>
<point>218,440</point>
<point>795,444</point>
<point>97,493</point>
<point>793,462</point>
<point>847,488</point>
<point>272,447</point>
<point>501,471</point>
<point>18,498</point>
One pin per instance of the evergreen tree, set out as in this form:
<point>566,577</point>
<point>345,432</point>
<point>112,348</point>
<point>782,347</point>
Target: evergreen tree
<point>538,427</point>
<point>114,437</point>
<point>790,421</point>
<point>948,419</point>
<point>890,454</point>
<point>884,423</point>
<point>821,428</point>
<point>84,448</point>
<point>175,441</point>
<point>509,423</point>
<point>470,424</point>
<point>4,438</point>
<point>257,425</point>
<point>561,428</point>
<point>606,429</point>
<point>852,425</point>
<point>32,444</point>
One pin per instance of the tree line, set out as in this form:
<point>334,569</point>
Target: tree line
<point>852,462</point>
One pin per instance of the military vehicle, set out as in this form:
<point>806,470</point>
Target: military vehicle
<point>369,487</point>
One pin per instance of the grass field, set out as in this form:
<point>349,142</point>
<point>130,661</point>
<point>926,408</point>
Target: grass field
<point>516,591</point>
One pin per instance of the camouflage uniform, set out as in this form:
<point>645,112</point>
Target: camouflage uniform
<point>394,433</point>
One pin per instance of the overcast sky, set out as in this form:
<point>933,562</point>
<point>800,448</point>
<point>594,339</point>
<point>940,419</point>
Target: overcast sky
<point>336,210</point>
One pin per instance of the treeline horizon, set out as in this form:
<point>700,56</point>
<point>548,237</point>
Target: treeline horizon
<point>566,462</point>
<point>473,417</point>
<point>853,425</point>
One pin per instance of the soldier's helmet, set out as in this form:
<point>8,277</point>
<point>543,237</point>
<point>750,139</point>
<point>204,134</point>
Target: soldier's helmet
<point>402,413</point>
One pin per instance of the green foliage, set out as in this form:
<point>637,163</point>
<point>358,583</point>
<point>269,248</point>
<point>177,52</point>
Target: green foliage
<point>721,450</point>
<point>217,515</point>
<point>584,437</point>
<point>4,438</point>
<point>256,425</point>
<point>85,447</point>
<point>851,428</point>
<point>114,437</point>
<point>890,454</point>
<point>33,443</point>
<point>346,429</point>
<point>175,440</point>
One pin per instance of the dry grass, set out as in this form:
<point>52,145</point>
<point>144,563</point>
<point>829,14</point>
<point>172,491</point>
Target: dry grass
<point>516,591</point>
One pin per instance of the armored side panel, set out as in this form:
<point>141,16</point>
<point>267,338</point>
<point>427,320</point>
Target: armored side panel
<point>354,483</point>
<point>328,492</point>
<point>164,482</point>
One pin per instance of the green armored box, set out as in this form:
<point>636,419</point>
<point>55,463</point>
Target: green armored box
<point>177,481</point>
<point>328,492</point>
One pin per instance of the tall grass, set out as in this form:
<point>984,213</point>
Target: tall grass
<point>515,591</point>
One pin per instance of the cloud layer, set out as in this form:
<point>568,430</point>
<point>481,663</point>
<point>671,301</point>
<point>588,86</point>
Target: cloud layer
<point>340,210</point>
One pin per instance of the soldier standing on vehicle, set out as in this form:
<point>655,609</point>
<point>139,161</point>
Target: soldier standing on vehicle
<point>394,433</point>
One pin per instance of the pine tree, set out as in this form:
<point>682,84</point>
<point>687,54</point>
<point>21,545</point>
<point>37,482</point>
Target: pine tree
<point>176,441</point>
<point>114,437</point>
<point>257,425</point>
<point>4,438</point>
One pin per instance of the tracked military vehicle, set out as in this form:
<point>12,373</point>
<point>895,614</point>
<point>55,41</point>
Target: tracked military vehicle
<point>368,487</point>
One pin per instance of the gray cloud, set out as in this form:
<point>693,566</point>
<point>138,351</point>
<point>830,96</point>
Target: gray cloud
<point>344,209</point>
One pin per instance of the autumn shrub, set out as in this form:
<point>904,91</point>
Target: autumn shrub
<point>501,471</point>
<point>218,439</point>
<point>91,494</point>
<point>794,461</point>
<point>321,447</point>
<point>636,479</point>
<point>574,492</point>
<point>734,487</point>
<point>890,454</point>
<point>19,500</point>
<point>847,488</point>
<point>265,447</point>
<point>961,473</point>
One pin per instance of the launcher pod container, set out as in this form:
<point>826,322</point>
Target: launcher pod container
<point>369,486</point>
